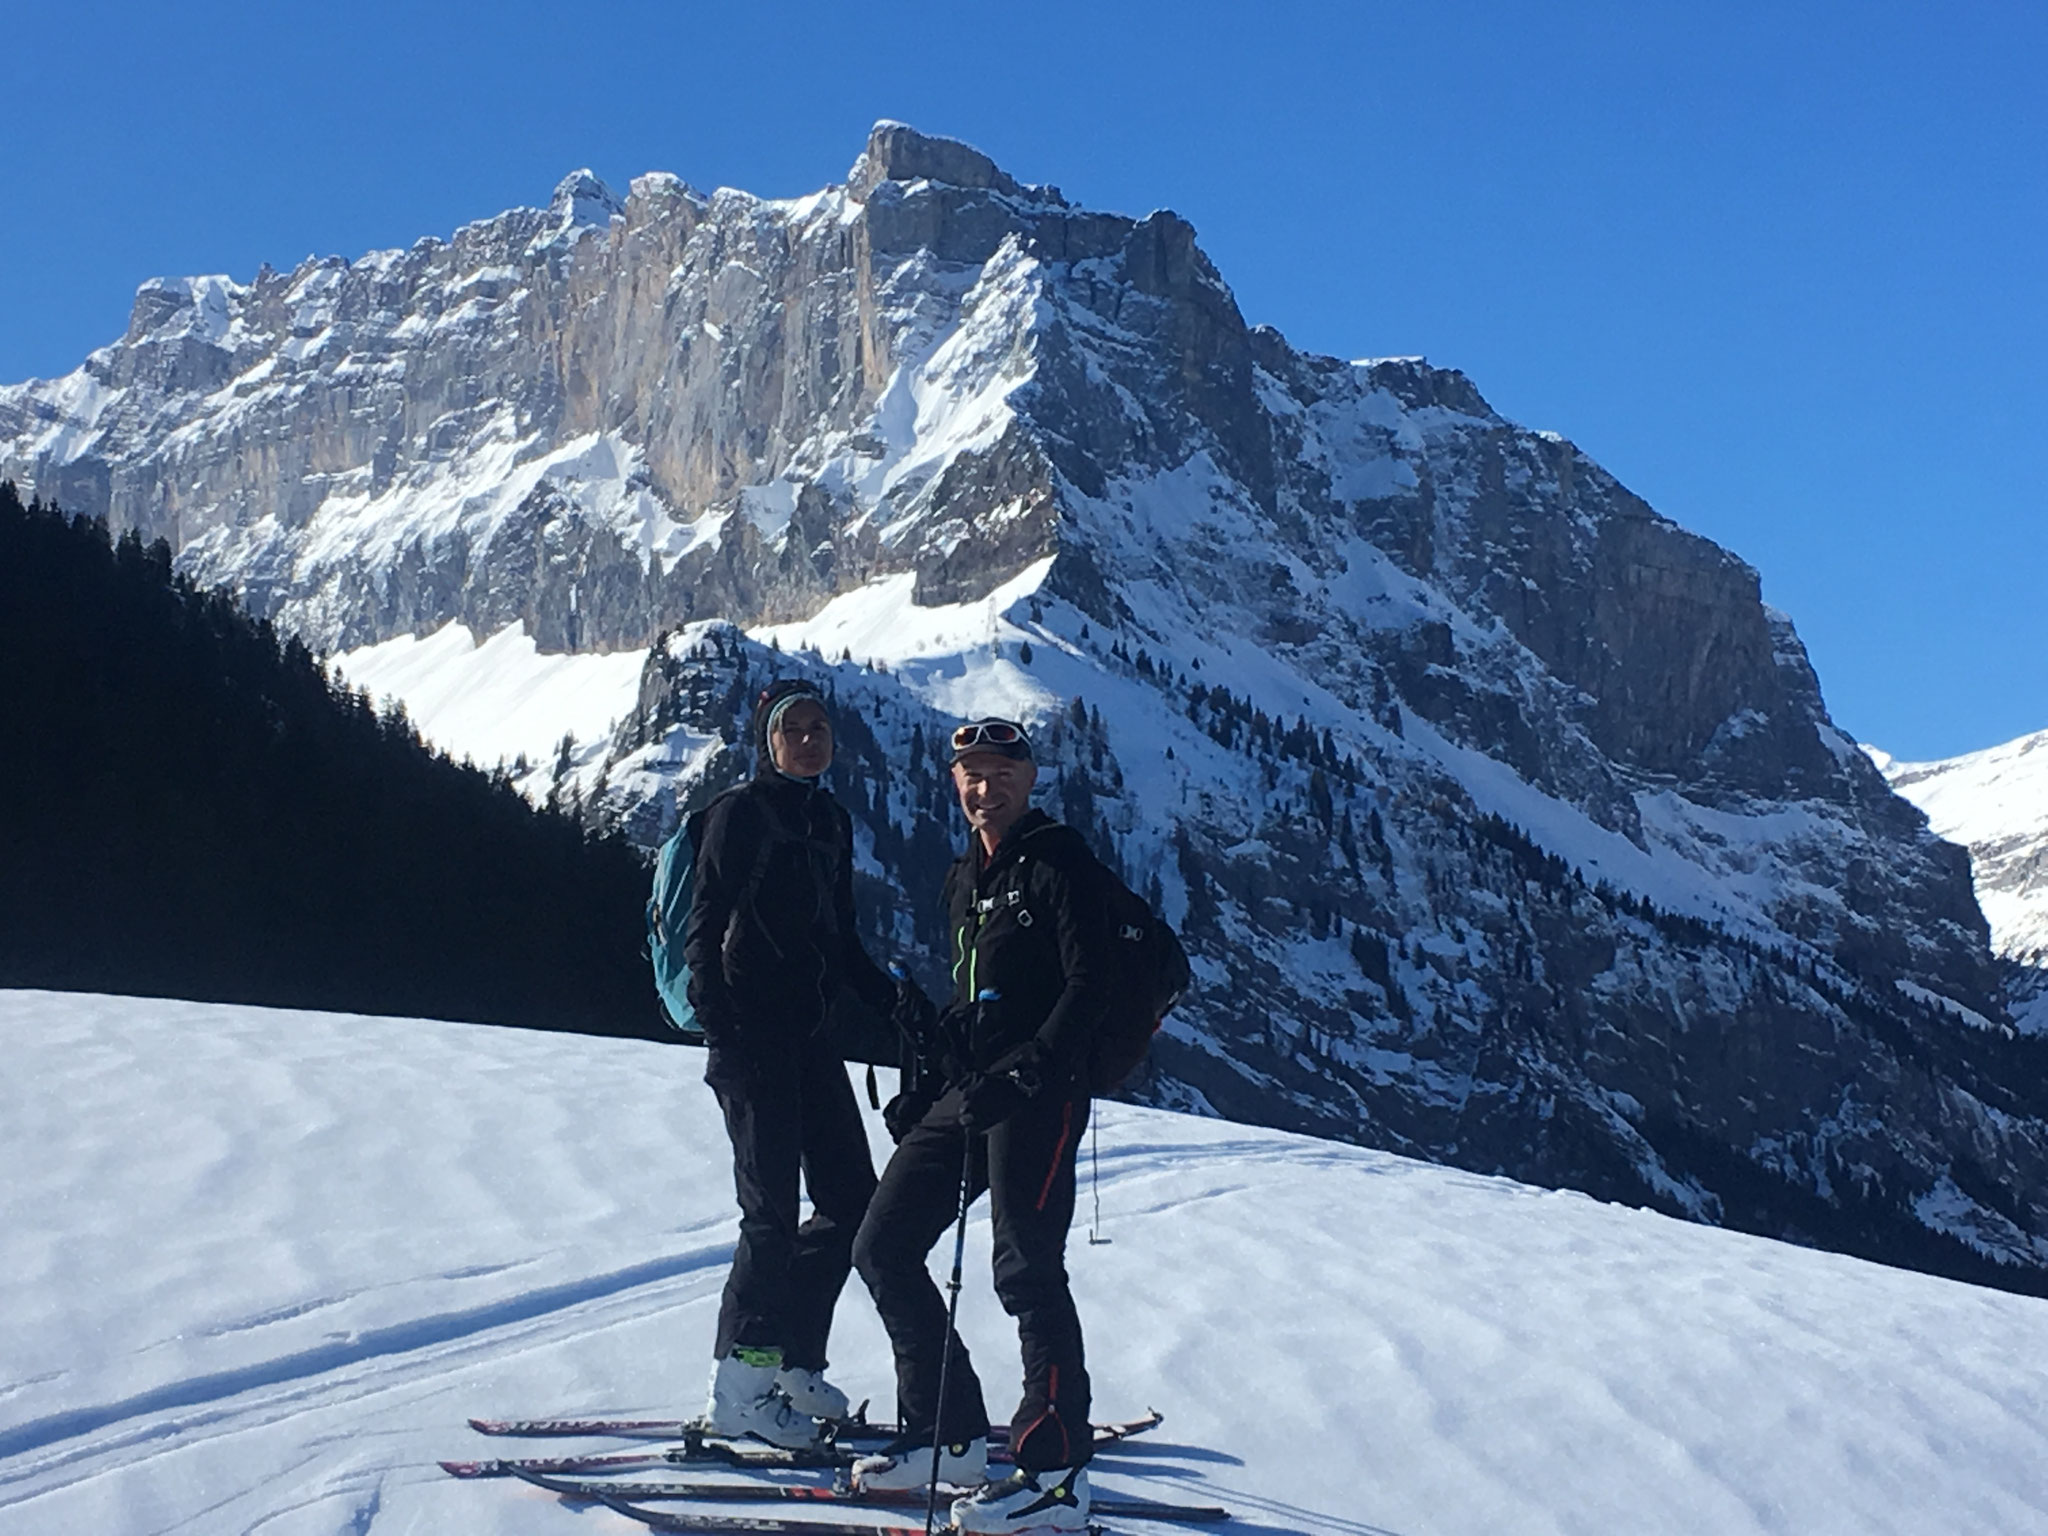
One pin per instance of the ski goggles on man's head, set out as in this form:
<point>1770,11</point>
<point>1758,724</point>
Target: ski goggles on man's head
<point>1003,738</point>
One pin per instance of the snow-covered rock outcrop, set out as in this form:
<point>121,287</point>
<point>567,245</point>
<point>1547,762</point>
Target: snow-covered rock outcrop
<point>1507,824</point>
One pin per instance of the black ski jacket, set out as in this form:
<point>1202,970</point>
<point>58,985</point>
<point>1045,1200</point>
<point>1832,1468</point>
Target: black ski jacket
<point>1029,922</point>
<point>770,937</point>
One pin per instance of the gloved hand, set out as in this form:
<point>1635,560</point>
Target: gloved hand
<point>902,1113</point>
<point>948,1050</point>
<point>989,1098</point>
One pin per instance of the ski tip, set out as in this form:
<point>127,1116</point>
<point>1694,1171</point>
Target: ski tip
<point>1152,1420</point>
<point>465,1468</point>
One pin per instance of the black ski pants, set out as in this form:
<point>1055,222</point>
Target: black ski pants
<point>798,1115</point>
<point>1027,1166</point>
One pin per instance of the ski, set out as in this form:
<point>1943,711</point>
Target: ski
<point>604,1492</point>
<point>512,1466</point>
<point>746,1525</point>
<point>684,1429</point>
<point>631,1429</point>
<point>697,1453</point>
<point>855,1428</point>
<point>753,1525</point>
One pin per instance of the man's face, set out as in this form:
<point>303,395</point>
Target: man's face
<point>802,740</point>
<point>994,791</point>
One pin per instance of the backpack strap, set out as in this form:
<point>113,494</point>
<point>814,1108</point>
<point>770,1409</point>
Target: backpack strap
<point>777,835</point>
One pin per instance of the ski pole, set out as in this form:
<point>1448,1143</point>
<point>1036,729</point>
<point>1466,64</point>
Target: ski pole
<point>1095,1237</point>
<point>931,1505</point>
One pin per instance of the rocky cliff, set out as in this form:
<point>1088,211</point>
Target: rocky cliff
<point>1995,803</point>
<point>1506,823</point>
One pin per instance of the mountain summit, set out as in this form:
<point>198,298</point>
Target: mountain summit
<point>1507,825</point>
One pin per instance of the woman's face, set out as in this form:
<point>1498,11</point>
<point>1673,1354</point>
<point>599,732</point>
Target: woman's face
<point>802,740</point>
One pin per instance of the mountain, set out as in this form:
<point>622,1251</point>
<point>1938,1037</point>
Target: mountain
<point>1995,803</point>
<point>1506,824</point>
<point>261,1265</point>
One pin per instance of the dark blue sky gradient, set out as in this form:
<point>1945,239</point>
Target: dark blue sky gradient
<point>1783,268</point>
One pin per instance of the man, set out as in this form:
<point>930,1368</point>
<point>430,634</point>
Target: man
<point>1025,908</point>
<point>769,942</point>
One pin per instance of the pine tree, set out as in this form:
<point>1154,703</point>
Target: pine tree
<point>565,759</point>
<point>1320,805</point>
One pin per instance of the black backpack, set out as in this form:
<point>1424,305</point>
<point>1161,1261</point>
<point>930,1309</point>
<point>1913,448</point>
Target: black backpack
<point>1151,972</point>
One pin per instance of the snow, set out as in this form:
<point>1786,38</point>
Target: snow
<point>263,1264</point>
<point>581,202</point>
<point>1933,999</point>
<point>961,659</point>
<point>205,308</point>
<point>73,406</point>
<point>882,620</point>
<point>1982,795</point>
<point>482,482</point>
<point>1667,877</point>
<point>496,699</point>
<point>1995,803</point>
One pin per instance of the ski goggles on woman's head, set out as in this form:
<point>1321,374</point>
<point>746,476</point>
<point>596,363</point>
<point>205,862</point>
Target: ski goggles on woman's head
<point>1004,738</point>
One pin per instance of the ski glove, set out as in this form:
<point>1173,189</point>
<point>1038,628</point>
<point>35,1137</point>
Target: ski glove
<point>948,1050</point>
<point>902,1113</point>
<point>989,1098</point>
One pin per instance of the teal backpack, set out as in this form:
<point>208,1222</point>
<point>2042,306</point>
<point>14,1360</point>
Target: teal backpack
<point>668,915</point>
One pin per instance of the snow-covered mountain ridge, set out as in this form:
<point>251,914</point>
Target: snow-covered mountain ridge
<point>1995,803</point>
<point>1506,824</point>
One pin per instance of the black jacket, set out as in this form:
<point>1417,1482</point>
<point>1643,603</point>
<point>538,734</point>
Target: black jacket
<point>766,962</point>
<point>1030,923</point>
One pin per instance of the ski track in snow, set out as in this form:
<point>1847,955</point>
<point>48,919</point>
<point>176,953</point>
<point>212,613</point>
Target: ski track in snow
<point>434,1332</point>
<point>264,1264</point>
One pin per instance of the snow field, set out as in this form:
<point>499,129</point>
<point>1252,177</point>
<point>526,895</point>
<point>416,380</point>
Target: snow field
<point>494,699</point>
<point>264,1263</point>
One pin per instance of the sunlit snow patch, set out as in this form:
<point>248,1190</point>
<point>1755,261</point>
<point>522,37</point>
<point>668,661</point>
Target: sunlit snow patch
<point>962,658</point>
<point>497,700</point>
<point>1995,803</point>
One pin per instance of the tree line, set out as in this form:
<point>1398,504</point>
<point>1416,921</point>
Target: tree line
<point>191,807</point>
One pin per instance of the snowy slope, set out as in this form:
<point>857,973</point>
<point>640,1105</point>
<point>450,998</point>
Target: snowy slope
<point>1995,803</point>
<point>262,1265</point>
<point>498,698</point>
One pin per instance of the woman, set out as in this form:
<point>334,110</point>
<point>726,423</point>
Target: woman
<point>769,943</point>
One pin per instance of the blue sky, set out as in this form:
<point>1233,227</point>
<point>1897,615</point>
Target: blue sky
<point>1782,267</point>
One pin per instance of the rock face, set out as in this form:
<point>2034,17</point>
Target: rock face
<point>1995,803</point>
<point>1506,824</point>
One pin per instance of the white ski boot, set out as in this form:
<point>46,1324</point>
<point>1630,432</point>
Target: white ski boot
<point>907,1463</point>
<point>809,1392</point>
<point>745,1403</point>
<point>1026,1501</point>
